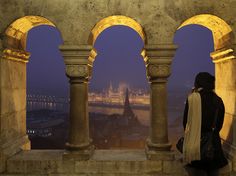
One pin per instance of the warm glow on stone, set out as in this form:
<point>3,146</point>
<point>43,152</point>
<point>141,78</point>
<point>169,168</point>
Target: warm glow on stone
<point>220,29</point>
<point>16,33</point>
<point>112,21</point>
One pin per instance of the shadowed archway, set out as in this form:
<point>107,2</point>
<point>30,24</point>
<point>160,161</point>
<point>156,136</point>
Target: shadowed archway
<point>224,59</point>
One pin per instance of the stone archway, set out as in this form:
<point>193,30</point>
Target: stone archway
<point>224,59</point>
<point>75,19</point>
<point>13,86</point>
<point>221,31</point>
<point>16,33</point>
<point>156,72</point>
<point>113,21</point>
<point>108,27</point>
<point>79,63</point>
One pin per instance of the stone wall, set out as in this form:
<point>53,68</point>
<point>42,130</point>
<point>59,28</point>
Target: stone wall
<point>103,163</point>
<point>75,19</point>
<point>159,18</point>
<point>226,88</point>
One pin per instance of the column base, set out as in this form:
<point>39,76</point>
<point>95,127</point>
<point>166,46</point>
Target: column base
<point>159,151</point>
<point>83,152</point>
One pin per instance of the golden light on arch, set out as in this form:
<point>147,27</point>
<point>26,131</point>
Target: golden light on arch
<point>221,31</point>
<point>16,33</point>
<point>112,21</point>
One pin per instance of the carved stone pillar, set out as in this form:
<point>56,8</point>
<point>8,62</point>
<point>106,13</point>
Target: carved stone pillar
<point>13,137</point>
<point>225,74</point>
<point>78,61</point>
<point>158,60</point>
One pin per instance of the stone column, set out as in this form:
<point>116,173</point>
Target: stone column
<point>78,61</point>
<point>225,74</point>
<point>158,60</point>
<point>13,137</point>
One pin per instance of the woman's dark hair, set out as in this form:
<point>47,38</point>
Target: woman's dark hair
<point>204,80</point>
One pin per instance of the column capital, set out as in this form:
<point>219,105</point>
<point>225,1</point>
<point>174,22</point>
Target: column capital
<point>160,51</point>
<point>16,55</point>
<point>78,73</point>
<point>222,55</point>
<point>158,72</point>
<point>78,54</point>
<point>79,61</point>
<point>158,59</point>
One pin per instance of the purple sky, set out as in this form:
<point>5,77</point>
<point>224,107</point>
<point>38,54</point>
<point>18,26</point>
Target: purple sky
<point>118,59</point>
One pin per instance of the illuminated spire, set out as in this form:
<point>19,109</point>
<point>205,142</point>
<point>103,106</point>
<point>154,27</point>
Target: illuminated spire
<point>127,109</point>
<point>110,87</point>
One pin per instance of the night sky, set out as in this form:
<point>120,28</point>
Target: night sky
<point>118,60</point>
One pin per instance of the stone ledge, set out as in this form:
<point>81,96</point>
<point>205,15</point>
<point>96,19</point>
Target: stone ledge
<point>103,162</point>
<point>12,147</point>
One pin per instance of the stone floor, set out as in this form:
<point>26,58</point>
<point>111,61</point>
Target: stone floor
<point>103,163</point>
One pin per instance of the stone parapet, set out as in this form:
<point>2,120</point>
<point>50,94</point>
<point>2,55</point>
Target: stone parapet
<point>103,162</point>
<point>10,148</point>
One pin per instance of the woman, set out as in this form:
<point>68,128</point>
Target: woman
<point>203,110</point>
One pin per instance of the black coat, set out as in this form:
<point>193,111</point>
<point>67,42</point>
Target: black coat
<point>211,103</point>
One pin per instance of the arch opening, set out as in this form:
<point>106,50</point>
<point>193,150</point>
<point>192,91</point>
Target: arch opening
<point>195,44</point>
<point>112,68</point>
<point>221,31</point>
<point>46,98</point>
<point>17,49</point>
<point>16,34</point>
<point>116,20</point>
<point>222,56</point>
<point>113,21</point>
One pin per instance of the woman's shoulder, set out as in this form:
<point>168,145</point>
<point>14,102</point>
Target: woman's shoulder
<point>218,99</point>
<point>217,96</point>
<point>211,94</point>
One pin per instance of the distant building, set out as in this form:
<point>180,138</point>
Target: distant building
<point>109,97</point>
<point>116,96</point>
<point>49,128</point>
<point>118,130</point>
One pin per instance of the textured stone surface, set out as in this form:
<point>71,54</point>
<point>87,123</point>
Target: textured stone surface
<point>160,18</point>
<point>13,100</point>
<point>104,162</point>
<point>12,109</point>
<point>234,166</point>
<point>127,161</point>
<point>226,89</point>
<point>227,130</point>
<point>225,71</point>
<point>13,74</point>
<point>11,147</point>
<point>13,125</point>
<point>173,167</point>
